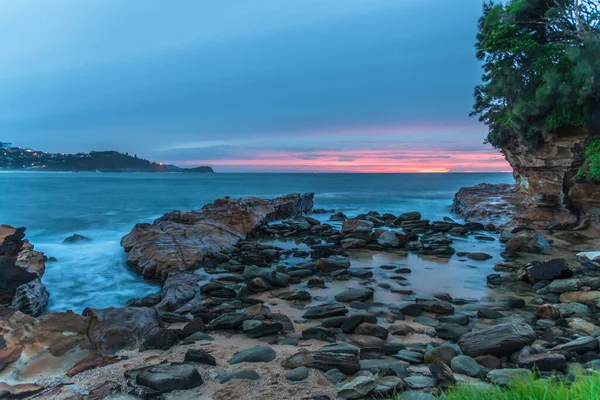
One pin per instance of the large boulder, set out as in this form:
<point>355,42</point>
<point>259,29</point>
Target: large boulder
<point>36,348</point>
<point>181,241</point>
<point>546,270</point>
<point>498,340</point>
<point>21,270</point>
<point>113,329</point>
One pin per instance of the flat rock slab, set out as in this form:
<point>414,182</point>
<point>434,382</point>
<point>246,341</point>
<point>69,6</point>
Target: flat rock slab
<point>346,363</point>
<point>253,354</point>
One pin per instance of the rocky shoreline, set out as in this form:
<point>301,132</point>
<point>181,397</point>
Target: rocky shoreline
<point>260,299</point>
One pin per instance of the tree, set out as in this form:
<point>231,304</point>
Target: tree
<point>541,68</point>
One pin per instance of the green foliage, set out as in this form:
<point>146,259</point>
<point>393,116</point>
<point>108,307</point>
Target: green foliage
<point>583,388</point>
<point>592,155</point>
<point>541,67</point>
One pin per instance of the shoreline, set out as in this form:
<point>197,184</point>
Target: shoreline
<point>185,295</point>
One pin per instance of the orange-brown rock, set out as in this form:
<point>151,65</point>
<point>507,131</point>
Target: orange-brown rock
<point>547,311</point>
<point>21,269</point>
<point>181,241</point>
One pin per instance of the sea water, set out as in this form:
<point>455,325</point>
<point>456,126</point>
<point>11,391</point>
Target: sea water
<point>105,206</point>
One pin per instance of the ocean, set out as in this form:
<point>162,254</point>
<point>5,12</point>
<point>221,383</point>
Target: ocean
<point>105,206</point>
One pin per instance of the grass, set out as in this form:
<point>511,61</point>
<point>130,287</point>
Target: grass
<point>585,387</point>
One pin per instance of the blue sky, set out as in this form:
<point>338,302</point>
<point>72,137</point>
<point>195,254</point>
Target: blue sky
<point>262,85</point>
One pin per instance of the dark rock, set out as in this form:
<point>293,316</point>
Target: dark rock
<point>489,313</point>
<point>546,270</point>
<point>200,356</point>
<point>465,365</point>
<point>357,388</point>
<point>542,362</point>
<point>435,306</point>
<point>320,333</point>
<point>335,376</point>
<point>264,330</point>
<point>165,378</point>
<point>297,374</point>
<point>333,264</point>
<point>253,354</point>
<point>76,238</point>
<point>451,331</point>
<point>245,374</point>
<point>371,330</point>
<point>442,374</point>
<point>325,311</point>
<point>195,325</point>
<point>444,353</point>
<point>497,340</point>
<point>162,339</point>
<point>228,320</point>
<point>346,363</point>
<point>478,256</point>
<point>354,294</point>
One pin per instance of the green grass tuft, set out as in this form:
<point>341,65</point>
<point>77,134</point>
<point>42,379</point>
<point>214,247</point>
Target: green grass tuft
<point>584,387</point>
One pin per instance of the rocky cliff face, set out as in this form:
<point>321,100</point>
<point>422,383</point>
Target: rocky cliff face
<point>21,270</point>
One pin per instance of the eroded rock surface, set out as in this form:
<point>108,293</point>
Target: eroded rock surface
<point>180,241</point>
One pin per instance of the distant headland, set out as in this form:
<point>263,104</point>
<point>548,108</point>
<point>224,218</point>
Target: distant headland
<point>26,159</point>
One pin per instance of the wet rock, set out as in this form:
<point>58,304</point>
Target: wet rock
<point>590,258</point>
<point>513,302</point>
<point>459,319</point>
<point>580,345</point>
<point>542,362</point>
<point>228,320</point>
<point>357,388</point>
<point>546,270</point>
<point>333,264</point>
<point>335,376</point>
<point>200,356</point>
<point>360,294</point>
<point>113,329</point>
<point>478,256</point>
<point>253,354</point>
<point>320,333</point>
<point>166,378</point>
<point>497,340</point>
<point>565,285</point>
<point>297,374</point>
<point>451,331</point>
<point>489,313</point>
<point>197,337</point>
<point>333,322</point>
<point>442,374</point>
<point>573,309</point>
<point>273,277</point>
<point>340,348</point>
<point>465,365</point>
<point>444,353</point>
<point>581,325</point>
<point>358,229</point>
<point>505,376</point>
<point>419,382</point>
<point>162,339</point>
<point>589,297</point>
<point>245,374</point>
<point>76,238</point>
<point>353,243</point>
<point>413,357</point>
<point>391,239</point>
<point>416,227</point>
<point>325,311</point>
<point>324,361</point>
<point>408,216</point>
<point>435,306</point>
<point>264,329</point>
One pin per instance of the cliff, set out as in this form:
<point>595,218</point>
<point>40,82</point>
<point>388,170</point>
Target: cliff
<point>550,194</point>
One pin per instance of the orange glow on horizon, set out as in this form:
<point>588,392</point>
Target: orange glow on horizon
<point>372,161</point>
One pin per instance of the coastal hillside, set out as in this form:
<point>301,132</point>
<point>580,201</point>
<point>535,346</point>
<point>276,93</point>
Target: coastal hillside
<point>16,158</point>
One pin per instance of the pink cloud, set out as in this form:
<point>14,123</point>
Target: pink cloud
<point>367,160</point>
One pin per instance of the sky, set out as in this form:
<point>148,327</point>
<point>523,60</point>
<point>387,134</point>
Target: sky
<point>248,86</point>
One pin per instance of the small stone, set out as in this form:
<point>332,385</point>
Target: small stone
<point>200,356</point>
<point>245,374</point>
<point>335,376</point>
<point>166,378</point>
<point>297,374</point>
<point>357,388</point>
<point>505,376</point>
<point>419,382</point>
<point>465,365</point>
<point>253,354</point>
